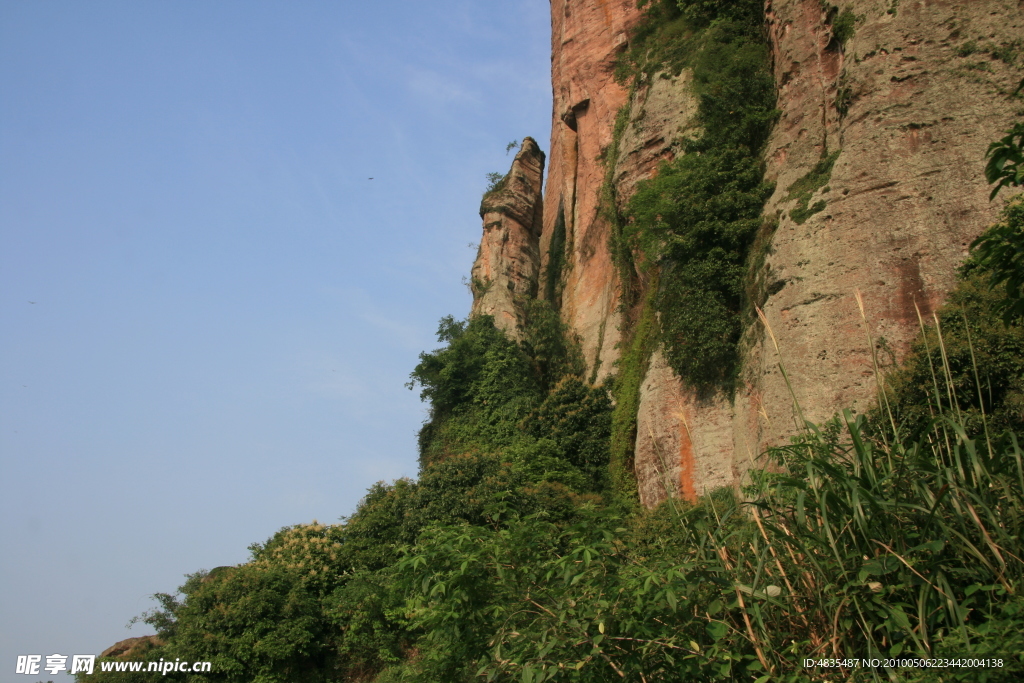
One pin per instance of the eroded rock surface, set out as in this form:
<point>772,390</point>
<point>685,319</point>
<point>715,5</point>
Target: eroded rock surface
<point>586,38</point>
<point>683,442</point>
<point>505,272</point>
<point>910,104</point>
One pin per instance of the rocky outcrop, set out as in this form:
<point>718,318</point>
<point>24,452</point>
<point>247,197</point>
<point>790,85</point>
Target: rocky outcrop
<point>586,38</point>
<point>132,648</point>
<point>903,108</point>
<point>506,270</point>
<point>908,105</point>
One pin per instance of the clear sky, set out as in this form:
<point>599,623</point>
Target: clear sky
<point>208,310</point>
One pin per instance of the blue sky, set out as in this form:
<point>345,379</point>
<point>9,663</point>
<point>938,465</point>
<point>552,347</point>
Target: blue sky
<point>226,308</point>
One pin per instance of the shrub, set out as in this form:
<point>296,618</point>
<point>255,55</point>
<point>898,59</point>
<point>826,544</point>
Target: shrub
<point>695,220</point>
<point>1000,252</point>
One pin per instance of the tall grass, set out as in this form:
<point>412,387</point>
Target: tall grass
<point>887,546</point>
<point>857,543</point>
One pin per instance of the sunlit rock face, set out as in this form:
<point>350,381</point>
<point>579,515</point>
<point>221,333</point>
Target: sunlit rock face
<point>507,264</point>
<point>910,110</point>
<point>906,105</point>
<point>586,38</point>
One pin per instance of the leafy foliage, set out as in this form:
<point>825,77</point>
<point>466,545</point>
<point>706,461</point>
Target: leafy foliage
<point>861,550</point>
<point>479,386</point>
<point>552,347</point>
<point>576,419</point>
<point>1005,167</point>
<point>696,219</point>
<point>1000,251</point>
<point>495,181</point>
<point>632,366</point>
<point>556,260</point>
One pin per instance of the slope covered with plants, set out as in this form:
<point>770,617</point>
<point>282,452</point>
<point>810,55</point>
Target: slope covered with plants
<point>511,558</point>
<point>518,554</point>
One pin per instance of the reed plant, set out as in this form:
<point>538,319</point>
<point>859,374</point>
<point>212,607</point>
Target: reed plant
<point>889,547</point>
<point>857,543</point>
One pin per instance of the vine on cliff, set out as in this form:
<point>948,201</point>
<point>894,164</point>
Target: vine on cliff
<point>697,218</point>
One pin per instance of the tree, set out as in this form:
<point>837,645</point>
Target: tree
<point>1005,165</point>
<point>1000,249</point>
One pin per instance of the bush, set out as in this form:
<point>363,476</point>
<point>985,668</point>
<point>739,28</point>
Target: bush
<point>1000,252</point>
<point>696,219</point>
<point>479,386</point>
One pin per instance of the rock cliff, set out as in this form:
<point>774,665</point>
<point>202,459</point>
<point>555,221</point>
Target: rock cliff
<point>908,105</point>
<point>886,108</point>
<point>506,270</point>
<point>586,38</point>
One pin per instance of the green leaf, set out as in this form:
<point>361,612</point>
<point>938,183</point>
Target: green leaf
<point>716,629</point>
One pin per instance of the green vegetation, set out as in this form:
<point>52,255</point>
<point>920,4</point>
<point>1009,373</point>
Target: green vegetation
<point>519,554</point>
<point>843,23</point>
<point>844,97</point>
<point>980,350</point>
<point>1005,167</point>
<point>482,385</point>
<point>695,220</point>
<point>632,366</point>
<point>1006,52</point>
<point>860,551</point>
<point>805,187</point>
<point>844,26</point>
<point>755,281</point>
<point>556,260</point>
<point>976,349</point>
<point>621,251</point>
<point>496,182</point>
<point>1000,252</point>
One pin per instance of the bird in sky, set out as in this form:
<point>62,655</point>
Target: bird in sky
<point>31,302</point>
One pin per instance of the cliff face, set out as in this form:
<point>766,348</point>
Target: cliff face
<point>506,269</point>
<point>909,104</point>
<point>586,38</point>
<point>893,111</point>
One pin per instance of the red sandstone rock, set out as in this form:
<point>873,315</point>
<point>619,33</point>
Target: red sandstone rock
<point>507,264</point>
<point>905,198</point>
<point>586,37</point>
